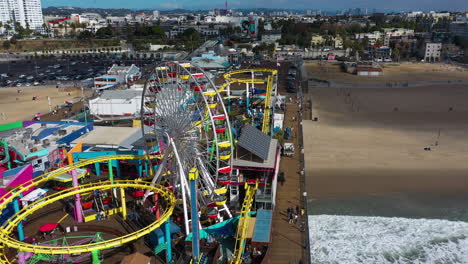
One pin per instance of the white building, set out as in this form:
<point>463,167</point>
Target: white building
<point>155,14</point>
<point>117,75</point>
<point>116,103</point>
<point>439,14</point>
<point>398,32</point>
<point>25,12</point>
<point>372,37</point>
<point>433,52</point>
<point>415,14</point>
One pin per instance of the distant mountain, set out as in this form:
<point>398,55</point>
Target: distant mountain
<point>65,11</point>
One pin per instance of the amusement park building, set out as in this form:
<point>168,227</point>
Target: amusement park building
<point>39,143</point>
<point>258,156</point>
<point>211,61</point>
<point>116,103</point>
<point>117,75</point>
<point>107,138</point>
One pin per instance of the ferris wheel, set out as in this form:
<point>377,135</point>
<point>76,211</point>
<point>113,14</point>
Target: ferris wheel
<point>184,120</point>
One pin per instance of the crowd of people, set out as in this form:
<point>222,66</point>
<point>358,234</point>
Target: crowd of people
<point>293,214</point>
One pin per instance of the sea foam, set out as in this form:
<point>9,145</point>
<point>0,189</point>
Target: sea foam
<point>362,239</point>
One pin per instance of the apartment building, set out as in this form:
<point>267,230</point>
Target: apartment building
<point>26,12</point>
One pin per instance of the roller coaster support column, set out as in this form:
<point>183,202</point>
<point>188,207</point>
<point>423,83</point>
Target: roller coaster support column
<point>16,205</point>
<point>157,212</point>
<point>247,98</point>
<point>123,202</point>
<point>78,208</point>
<point>95,256</point>
<point>97,165</point>
<point>111,177</point>
<point>139,168</point>
<point>193,177</point>
<point>229,97</point>
<point>167,231</point>
<point>117,167</point>
<point>21,257</point>
<point>111,172</point>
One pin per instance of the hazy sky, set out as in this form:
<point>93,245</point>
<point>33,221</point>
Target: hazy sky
<point>424,5</point>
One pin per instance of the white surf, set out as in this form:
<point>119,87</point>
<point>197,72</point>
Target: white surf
<point>382,240</point>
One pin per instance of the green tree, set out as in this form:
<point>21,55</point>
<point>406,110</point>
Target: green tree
<point>105,32</point>
<point>85,35</point>
<point>396,54</point>
<point>190,34</point>
<point>6,44</point>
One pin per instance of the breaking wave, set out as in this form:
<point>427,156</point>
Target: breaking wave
<point>362,239</point>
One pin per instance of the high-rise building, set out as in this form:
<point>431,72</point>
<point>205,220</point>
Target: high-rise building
<point>26,12</point>
<point>155,14</point>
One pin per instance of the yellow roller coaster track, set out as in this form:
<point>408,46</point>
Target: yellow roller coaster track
<point>8,197</point>
<point>7,228</point>
<point>242,226</point>
<point>228,77</point>
<point>267,111</point>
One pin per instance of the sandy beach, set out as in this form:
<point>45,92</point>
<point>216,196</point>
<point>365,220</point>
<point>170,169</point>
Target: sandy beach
<point>372,141</point>
<point>391,73</point>
<point>16,106</point>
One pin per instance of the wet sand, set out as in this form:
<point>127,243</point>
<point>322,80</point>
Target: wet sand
<point>373,141</point>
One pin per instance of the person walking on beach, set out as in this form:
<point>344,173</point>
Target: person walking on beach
<point>290,218</point>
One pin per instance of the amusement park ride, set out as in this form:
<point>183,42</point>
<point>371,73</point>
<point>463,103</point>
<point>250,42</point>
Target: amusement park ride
<point>189,158</point>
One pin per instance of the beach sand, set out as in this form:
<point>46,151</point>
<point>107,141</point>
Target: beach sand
<point>16,106</point>
<point>373,141</point>
<point>391,73</point>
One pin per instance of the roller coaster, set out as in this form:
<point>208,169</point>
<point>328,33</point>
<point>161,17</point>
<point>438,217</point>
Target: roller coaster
<point>7,228</point>
<point>270,89</point>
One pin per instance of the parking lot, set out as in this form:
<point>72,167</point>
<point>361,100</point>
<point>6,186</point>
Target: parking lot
<point>58,71</point>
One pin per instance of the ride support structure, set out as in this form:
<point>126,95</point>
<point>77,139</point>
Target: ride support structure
<point>242,226</point>
<point>193,178</point>
<point>272,81</point>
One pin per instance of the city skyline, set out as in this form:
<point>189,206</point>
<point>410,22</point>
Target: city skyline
<point>396,5</point>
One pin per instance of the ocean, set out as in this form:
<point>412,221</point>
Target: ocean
<point>398,228</point>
